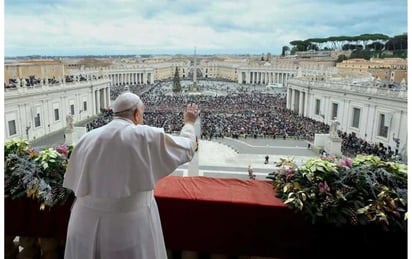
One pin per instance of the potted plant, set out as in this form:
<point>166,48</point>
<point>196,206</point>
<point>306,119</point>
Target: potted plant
<point>361,202</point>
<point>35,173</point>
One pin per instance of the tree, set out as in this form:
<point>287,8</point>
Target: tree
<point>399,42</point>
<point>375,46</point>
<point>299,45</point>
<point>341,58</point>
<point>177,88</point>
<point>284,50</point>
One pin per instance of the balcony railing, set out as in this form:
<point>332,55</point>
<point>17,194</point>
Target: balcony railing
<point>231,218</point>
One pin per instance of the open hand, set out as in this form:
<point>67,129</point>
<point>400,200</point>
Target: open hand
<point>191,113</point>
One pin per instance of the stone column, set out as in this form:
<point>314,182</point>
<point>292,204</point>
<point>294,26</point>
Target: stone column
<point>104,97</point>
<point>309,105</point>
<point>145,78</point>
<point>98,101</point>
<point>303,102</point>
<point>288,98</point>
<point>293,100</point>
<point>300,103</point>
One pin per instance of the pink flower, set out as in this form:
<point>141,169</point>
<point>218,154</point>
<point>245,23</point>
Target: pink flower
<point>346,162</point>
<point>289,173</point>
<point>324,187</point>
<point>63,150</point>
<point>33,152</point>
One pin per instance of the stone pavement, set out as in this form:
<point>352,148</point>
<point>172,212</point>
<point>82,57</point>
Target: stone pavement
<point>229,158</point>
<point>218,154</point>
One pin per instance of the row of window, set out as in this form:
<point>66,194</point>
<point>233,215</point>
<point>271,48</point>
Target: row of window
<point>383,123</point>
<point>37,121</point>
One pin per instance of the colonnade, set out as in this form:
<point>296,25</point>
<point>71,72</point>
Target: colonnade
<point>133,78</point>
<point>296,101</point>
<point>101,98</point>
<point>265,77</point>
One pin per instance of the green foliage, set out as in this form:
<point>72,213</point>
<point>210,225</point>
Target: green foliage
<point>362,191</point>
<point>341,58</point>
<point>365,54</point>
<point>284,49</point>
<point>37,174</point>
<point>372,42</point>
<point>399,42</point>
<point>299,45</point>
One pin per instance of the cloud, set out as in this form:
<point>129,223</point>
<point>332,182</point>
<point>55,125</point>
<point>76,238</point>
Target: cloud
<point>171,26</point>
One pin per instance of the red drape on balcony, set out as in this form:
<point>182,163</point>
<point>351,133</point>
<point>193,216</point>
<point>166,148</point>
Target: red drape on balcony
<point>230,216</point>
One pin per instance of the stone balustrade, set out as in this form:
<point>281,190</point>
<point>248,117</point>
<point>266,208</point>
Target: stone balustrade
<point>347,86</point>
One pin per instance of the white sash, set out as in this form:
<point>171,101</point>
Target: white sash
<point>125,204</point>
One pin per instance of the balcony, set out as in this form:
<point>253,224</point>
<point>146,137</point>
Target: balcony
<point>205,217</point>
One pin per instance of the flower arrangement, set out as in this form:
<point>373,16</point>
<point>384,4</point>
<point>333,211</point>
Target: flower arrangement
<point>328,190</point>
<point>34,173</point>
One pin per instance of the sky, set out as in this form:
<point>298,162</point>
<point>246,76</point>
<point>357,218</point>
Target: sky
<point>136,27</point>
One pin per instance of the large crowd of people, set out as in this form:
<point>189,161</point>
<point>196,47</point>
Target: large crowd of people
<point>352,145</point>
<point>231,110</point>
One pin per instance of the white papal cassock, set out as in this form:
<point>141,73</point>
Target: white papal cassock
<point>113,171</point>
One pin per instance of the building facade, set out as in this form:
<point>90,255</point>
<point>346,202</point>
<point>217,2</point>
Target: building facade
<point>372,113</point>
<point>33,112</point>
<point>389,70</point>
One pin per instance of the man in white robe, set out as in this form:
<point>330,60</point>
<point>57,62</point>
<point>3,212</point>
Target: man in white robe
<point>113,171</point>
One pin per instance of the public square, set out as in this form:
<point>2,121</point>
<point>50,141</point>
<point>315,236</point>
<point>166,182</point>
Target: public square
<point>230,158</point>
